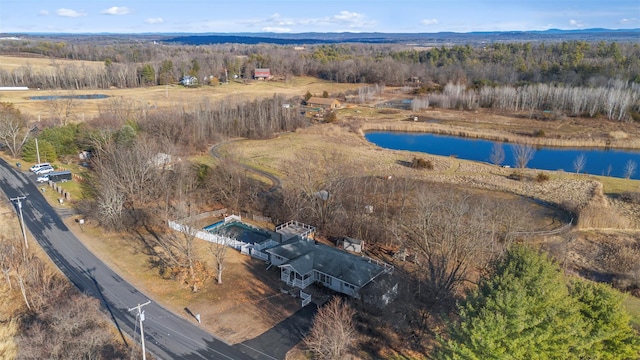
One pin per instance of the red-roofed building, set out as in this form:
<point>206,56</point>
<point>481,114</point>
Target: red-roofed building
<point>262,74</point>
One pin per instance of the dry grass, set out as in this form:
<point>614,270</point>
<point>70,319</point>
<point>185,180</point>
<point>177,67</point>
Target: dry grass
<point>8,345</point>
<point>246,304</point>
<point>12,304</point>
<point>164,97</point>
<point>598,213</point>
<point>43,64</point>
<point>506,129</point>
<point>632,304</point>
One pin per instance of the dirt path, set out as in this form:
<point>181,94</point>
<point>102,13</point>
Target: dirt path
<point>276,183</point>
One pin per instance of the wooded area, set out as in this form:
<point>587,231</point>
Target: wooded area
<point>139,177</point>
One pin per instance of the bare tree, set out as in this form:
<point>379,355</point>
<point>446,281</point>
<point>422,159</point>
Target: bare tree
<point>130,168</point>
<point>316,188</point>
<point>522,154</point>
<point>447,233</point>
<point>14,131</point>
<point>219,250</point>
<point>630,169</point>
<point>333,330</point>
<point>61,106</point>
<point>497,154</point>
<point>579,163</point>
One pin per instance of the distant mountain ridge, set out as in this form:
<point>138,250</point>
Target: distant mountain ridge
<point>440,38</point>
<point>311,38</point>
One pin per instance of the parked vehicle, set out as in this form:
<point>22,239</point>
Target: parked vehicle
<point>60,176</point>
<point>43,178</point>
<point>36,167</point>
<point>44,170</point>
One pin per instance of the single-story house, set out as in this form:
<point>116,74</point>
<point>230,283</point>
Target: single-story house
<point>262,74</point>
<point>325,103</point>
<point>189,81</point>
<point>303,262</point>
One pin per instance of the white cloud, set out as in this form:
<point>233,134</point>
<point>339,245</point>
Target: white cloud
<point>628,21</point>
<point>154,21</point>
<point>70,13</point>
<point>44,12</point>
<point>276,29</point>
<point>276,19</point>
<point>115,10</point>
<point>344,20</point>
<point>429,22</point>
<point>576,23</point>
<point>350,19</point>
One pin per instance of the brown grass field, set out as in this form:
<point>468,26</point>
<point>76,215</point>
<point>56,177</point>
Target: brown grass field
<point>236,309</point>
<point>40,64</point>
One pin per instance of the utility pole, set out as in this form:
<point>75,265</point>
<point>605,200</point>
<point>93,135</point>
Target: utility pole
<point>140,316</point>
<point>37,151</point>
<point>19,199</point>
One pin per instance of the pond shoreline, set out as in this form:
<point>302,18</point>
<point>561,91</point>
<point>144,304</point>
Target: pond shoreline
<point>606,162</point>
<point>621,143</point>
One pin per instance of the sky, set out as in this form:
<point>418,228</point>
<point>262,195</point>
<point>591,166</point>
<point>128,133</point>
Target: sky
<point>298,16</point>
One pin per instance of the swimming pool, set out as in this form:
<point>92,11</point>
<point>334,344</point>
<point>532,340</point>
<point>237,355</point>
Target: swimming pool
<point>240,231</point>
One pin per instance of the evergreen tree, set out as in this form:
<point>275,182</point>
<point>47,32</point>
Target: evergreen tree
<point>148,75</point>
<point>63,138</point>
<point>526,310</point>
<point>522,311</point>
<point>47,151</point>
<point>609,334</point>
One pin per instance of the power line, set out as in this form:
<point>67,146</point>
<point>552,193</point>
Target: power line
<point>19,199</point>
<point>140,316</point>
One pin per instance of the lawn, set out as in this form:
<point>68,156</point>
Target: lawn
<point>246,304</point>
<point>632,304</point>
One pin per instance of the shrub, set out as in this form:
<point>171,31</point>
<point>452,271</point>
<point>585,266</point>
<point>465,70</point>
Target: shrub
<point>331,117</point>
<point>420,163</point>
<point>515,176</point>
<point>539,133</point>
<point>630,197</point>
<point>542,177</point>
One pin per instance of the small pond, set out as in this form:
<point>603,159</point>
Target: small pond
<point>599,161</point>
<point>62,97</point>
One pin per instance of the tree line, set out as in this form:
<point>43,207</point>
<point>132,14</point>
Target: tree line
<point>616,100</point>
<point>571,63</point>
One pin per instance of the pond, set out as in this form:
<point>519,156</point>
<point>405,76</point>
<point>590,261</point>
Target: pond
<point>598,161</point>
<point>62,97</point>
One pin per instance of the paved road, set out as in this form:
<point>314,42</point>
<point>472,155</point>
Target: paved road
<point>167,335</point>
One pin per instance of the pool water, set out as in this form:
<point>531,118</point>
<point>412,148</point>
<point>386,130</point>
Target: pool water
<point>239,231</point>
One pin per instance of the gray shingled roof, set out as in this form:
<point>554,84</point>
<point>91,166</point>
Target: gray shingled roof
<point>305,256</point>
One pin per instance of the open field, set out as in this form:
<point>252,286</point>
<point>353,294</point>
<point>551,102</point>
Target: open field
<point>172,96</point>
<point>153,97</point>
<point>40,64</point>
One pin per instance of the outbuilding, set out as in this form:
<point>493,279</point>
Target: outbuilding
<point>325,103</point>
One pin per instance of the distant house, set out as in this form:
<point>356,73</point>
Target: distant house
<point>262,74</point>
<point>324,103</point>
<point>189,81</point>
<point>303,262</point>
